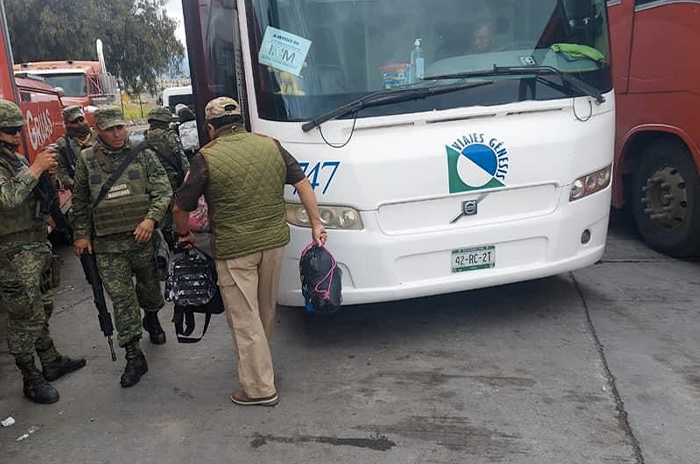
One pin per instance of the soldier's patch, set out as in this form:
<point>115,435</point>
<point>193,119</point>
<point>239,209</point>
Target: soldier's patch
<point>134,175</point>
<point>95,179</point>
<point>118,191</point>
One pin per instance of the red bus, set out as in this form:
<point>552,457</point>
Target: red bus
<point>656,78</point>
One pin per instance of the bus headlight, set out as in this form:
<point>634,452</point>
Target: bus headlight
<point>591,183</point>
<point>332,217</point>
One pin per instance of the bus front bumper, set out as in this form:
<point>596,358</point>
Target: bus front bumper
<point>378,267</point>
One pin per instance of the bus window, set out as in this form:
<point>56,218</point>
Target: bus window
<point>362,47</point>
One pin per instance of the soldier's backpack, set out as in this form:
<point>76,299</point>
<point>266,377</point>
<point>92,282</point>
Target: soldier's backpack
<point>192,286</point>
<point>321,280</point>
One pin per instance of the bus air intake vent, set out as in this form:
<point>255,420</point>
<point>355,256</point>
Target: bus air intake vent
<point>536,111</point>
<point>461,118</point>
<point>383,126</point>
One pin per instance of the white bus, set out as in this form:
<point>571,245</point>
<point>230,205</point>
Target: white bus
<point>452,144</point>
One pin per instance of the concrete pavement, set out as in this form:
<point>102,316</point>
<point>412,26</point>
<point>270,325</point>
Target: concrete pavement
<point>601,366</point>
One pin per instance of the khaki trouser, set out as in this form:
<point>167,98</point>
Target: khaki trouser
<point>249,289</point>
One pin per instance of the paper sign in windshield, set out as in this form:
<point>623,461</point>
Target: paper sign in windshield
<point>283,50</point>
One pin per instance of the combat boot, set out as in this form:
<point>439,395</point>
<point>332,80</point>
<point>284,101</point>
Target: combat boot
<point>136,364</point>
<point>152,326</point>
<point>61,366</point>
<point>36,388</point>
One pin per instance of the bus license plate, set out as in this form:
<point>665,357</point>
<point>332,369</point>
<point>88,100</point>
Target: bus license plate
<point>472,259</point>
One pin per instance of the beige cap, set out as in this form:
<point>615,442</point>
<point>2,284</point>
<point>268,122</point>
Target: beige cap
<point>220,107</point>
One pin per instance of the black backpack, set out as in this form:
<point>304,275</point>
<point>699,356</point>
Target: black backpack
<point>321,280</point>
<point>192,286</point>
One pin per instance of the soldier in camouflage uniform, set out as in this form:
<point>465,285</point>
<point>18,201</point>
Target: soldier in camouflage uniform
<point>166,143</point>
<point>120,230</point>
<point>78,137</point>
<point>25,262</point>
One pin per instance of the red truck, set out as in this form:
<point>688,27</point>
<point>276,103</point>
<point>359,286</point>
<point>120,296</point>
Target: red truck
<point>657,84</point>
<point>40,103</point>
<point>83,83</point>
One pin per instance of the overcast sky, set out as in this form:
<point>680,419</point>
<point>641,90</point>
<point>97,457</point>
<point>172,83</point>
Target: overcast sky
<point>175,11</point>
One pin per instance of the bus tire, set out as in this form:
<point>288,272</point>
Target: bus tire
<point>665,198</point>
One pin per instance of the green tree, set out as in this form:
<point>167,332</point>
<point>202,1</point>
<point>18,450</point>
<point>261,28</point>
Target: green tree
<point>139,38</point>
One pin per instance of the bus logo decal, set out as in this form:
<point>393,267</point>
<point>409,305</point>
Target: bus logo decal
<point>476,162</point>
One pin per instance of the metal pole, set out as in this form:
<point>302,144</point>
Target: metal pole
<point>8,79</point>
<point>140,105</point>
<point>10,76</point>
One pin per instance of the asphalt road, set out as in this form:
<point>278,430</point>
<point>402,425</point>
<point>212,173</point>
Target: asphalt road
<point>598,366</point>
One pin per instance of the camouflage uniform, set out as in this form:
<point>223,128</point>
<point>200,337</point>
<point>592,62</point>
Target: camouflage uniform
<point>69,147</point>
<point>118,255</point>
<point>25,271</point>
<point>25,264</point>
<point>167,146</point>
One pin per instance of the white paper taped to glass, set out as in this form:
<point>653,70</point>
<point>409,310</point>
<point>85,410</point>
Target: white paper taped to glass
<point>283,50</point>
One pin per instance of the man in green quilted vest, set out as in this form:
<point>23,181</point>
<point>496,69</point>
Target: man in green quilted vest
<point>119,230</point>
<point>166,143</point>
<point>25,262</point>
<point>78,137</point>
<point>242,176</point>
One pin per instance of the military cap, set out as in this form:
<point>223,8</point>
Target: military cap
<point>10,114</point>
<point>71,113</point>
<point>159,113</point>
<point>220,107</point>
<point>109,116</point>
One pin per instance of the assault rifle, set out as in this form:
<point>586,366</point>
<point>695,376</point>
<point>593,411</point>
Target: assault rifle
<point>89,263</point>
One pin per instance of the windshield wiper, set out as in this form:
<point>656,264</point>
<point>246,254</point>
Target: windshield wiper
<point>570,79</point>
<point>385,97</point>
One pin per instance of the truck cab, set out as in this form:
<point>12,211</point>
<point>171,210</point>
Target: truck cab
<point>82,83</point>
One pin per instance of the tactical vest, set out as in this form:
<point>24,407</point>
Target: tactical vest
<point>245,195</point>
<point>21,223</point>
<point>126,204</point>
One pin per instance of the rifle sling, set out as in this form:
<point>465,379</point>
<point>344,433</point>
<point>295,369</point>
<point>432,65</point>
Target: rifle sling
<point>69,157</point>
<point>130,156</point>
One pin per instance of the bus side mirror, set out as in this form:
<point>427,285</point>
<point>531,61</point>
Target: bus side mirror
<point>60,91</point>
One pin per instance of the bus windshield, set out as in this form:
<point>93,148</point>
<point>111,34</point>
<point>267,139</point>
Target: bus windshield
<point>311,56</point>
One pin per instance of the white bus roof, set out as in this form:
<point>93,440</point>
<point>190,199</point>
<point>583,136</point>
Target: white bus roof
<point>183,90</point>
